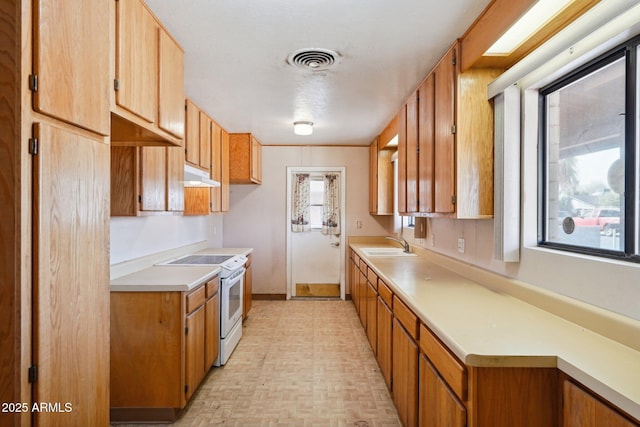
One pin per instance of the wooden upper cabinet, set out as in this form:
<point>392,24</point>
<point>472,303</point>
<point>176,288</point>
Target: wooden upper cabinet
<point>148,105</point>
<point>373,177</point>
<point>444,128</point>
<point>192,137</point>
<point>402,160</point>
<point>426,145</point>
<point>463,160</point>
<point>380,179</point>
<point>137,60</point>
<point>245,159</point>
<point>224,168</point>
<point>216,166</point>
<point>205,142</point>
<point>198,137</point>
<point>146,180</point>
<point>412,153</point>
<point>171,85</point>
<point>153,161</point>
<point>71,62</point>
<point>175,176</point>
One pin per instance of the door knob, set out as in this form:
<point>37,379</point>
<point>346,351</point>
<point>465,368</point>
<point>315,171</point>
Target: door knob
<point>336,244</point>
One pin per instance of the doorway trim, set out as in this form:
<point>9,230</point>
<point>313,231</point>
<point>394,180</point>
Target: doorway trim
<point>343,226</point>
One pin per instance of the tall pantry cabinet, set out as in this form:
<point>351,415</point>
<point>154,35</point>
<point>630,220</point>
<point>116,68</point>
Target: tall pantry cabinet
<point>54,193</point>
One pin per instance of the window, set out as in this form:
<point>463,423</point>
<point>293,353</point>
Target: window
<point>589,162</point>
<point>316,202</point>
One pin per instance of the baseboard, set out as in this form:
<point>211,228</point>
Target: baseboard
<point>269,297</point>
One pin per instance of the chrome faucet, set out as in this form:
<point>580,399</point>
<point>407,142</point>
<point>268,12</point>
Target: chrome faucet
<point>402,242</point>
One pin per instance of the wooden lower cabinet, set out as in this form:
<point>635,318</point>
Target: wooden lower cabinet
<point>582,408</point>
<point>405,375</point>
<point>372,317</point>
<point>362,298</point>
<point>384,340</point>
<point>439,406</point>
<point>161,349</point>
<point>194,350</point>
<point>354,277</point>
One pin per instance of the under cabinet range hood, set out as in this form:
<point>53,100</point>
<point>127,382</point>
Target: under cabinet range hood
<point>194,177</point>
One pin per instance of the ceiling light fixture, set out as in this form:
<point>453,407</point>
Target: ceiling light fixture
<point>535,18</point>
<point>303,128</point>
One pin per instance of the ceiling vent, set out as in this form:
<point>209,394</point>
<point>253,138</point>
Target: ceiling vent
<point>314,59</point>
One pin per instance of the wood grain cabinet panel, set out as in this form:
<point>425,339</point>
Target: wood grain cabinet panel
<point>170,85</point>
<point>194,350</point>
<point>225,179</point>
<point>412,154</point>
<point>148,104</point>
<point>439,406</point>
<point>146,180</point>
<point>405,375</point>
<point>197,201</point>
<point>216,166</point>
<point>192,136</point>
<point>372,317</point>
<point>205,142</point>
<point>444,133</point>
<point>426,144</point>
<point>245,159</point>
<point>402,160</point>
<point>384,340</point>
<point>137,60</point>
<point>583,409</point>
<point>70,87</point>
<point>71,276</point>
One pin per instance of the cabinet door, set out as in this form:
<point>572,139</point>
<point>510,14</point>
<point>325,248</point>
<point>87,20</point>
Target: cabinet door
<point>192,137</point>
<point>216,163</point>
<point>373,177</point>
<point>402,160</point>
<point>256,161</point>
<point>194,350</point>
<point>445,87</point>
<point>426,144</point>
<point>136,59</point>
<point>197,200</point>
<point>224,168</point>
<point>212,331</point>
<point>71,62</point>
<point>582,409</point>
<point>124,181</point>
<point>355,277</point>
<point>175,176</point>
<point>438,405</point>
<point>362,299</point>
<point>205,141</point>
<point>405,375</point>
<point>372,317</point>
<point>152,178</point>
<point>385,325</point>
<point>171,85</point>
<point>412,154</point>
<point>71,276</point>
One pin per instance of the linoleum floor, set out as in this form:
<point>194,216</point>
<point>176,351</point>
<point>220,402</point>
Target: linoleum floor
<point>299,363</point>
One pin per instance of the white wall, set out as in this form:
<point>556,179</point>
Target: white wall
<point>258,212</point>
<point>134,237</point>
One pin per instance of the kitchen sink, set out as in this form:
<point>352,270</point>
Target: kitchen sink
<point>373,252</point>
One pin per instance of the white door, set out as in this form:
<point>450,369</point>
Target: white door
<point>315,261</point>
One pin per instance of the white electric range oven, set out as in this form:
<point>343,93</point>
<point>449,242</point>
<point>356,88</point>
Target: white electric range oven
<point>231,294</point>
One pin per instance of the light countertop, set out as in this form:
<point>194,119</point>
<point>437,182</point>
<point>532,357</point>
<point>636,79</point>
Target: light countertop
<point>169,278</point>
<point>485,327</point>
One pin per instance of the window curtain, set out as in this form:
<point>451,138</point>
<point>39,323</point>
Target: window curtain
<point>300,203</point>
<point>331,208</point>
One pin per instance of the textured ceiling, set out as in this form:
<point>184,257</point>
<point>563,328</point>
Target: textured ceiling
<point>236,60</point>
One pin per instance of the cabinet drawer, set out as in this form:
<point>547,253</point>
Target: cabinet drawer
<point>356,259</point>
<point>406,317</point>
<point>363,266</point>
<point>385,293</point>
<point>195,299</point>
<point>451,370</point>
<point>372,277</point>
<point>212,286</point>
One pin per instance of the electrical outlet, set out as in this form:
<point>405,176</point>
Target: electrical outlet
<point>461,246</point>
<point>433,240</point>
<point>358,224</point>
